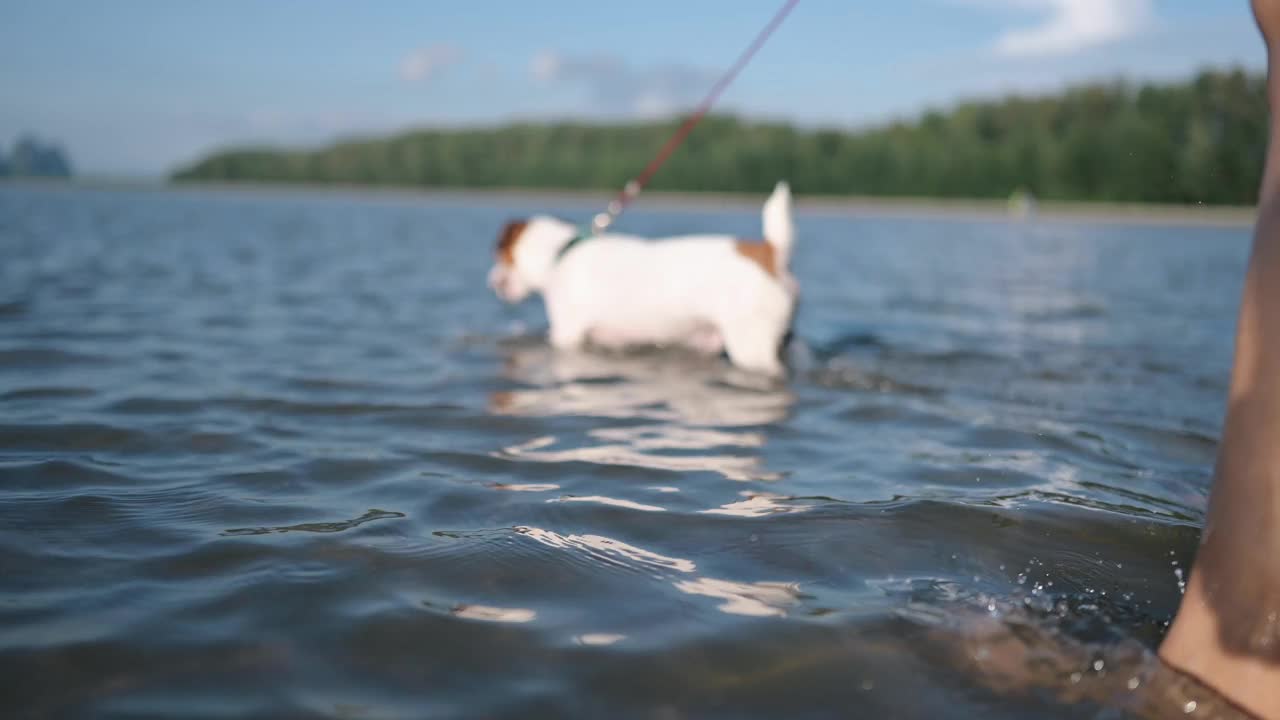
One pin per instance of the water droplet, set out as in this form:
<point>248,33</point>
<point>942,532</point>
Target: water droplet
<point>1190,707</point>
<point>868,684</point>
<point>1134,683</point>
<point>1098,665</point>
<point>1075,677</point>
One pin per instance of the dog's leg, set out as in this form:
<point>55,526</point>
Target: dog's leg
<point>566,335</point>
<point>706,340</point>
<point>569,325</point>
<point>754,347</point>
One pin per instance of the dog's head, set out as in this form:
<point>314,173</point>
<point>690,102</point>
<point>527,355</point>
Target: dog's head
<point>525,255</point>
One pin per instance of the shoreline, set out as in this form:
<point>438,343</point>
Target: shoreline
<point>970,209</point>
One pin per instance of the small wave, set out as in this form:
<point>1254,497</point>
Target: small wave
<point>612,502</point>
<point>1074,311</point>
<point>47,393</point>
<point>758,505</point>
<point>155,406</point>
<point>845,377</point>
<point>279,406</point>
<point>607,550</point>
<point>488,613</point>
<point>73,438</point>
<point>740,468</point>
<point>28,358</point>
<point>14,309</point>
<point>50,476</point>
<point>760,599</point>
<point>318,527</point>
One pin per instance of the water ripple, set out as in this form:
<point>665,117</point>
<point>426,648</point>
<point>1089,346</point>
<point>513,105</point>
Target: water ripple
<point>319,527</point>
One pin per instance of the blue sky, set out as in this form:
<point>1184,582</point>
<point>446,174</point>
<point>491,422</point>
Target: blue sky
<point>136,87</point>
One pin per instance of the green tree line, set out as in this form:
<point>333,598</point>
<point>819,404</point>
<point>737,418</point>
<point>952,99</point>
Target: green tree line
<point>1201,141</point>
<point>31,157</point>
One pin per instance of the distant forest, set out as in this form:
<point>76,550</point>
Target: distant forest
<point>1201,141</point>
<point>31,157</point>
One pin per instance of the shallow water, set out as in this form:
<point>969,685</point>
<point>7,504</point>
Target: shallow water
<point>282,455</point>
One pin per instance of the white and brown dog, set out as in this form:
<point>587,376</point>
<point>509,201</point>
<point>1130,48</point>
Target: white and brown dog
<point>712,293</point>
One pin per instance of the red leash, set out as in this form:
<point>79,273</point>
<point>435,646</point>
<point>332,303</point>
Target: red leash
<point>633,187</point>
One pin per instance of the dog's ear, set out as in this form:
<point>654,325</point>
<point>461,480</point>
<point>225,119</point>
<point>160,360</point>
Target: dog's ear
<point>507,241</point>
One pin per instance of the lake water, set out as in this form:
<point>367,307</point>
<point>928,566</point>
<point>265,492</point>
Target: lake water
<point>281,454</point>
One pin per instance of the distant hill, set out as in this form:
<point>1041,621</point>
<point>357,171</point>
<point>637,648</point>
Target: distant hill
<point>1197,141</point>
<point>32,158</point>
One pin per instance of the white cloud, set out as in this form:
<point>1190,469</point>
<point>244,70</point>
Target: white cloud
<point>614,86</point>
<point>1072,25</point>
<point>545,66</point>
<point>424,62</point>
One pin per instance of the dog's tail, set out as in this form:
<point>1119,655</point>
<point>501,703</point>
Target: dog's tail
<point>779,230</point>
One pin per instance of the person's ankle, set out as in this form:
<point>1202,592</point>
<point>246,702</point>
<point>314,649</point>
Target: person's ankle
<point>1195,645</point>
